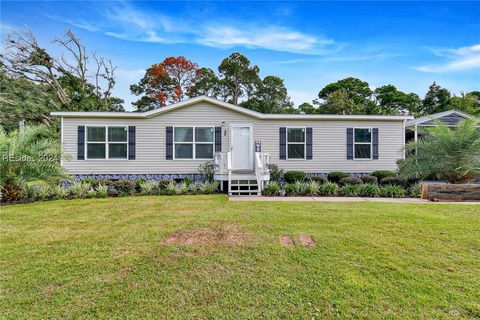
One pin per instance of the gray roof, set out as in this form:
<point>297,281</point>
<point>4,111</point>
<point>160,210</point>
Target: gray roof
<point>450,117</point>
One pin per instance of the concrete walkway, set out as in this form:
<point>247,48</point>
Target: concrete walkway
<point>343,199</point>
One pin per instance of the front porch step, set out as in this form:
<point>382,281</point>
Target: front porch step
<point>243,185</point>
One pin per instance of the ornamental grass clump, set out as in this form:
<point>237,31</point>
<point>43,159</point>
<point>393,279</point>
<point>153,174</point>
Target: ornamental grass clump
<point>349,190</point>
<point>272,188</point>
<point>79,189</point>
<point>328,189</point>
<point>393,191</point>
<point>148,188</point>
<point>369,190</point>
<point>311,188</point>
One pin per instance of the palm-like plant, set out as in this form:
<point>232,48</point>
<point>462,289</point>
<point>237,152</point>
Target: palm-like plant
<point>25,155</point>
<point>451,154</point>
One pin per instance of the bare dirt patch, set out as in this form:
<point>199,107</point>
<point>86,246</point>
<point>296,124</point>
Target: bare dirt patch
<point>306,241</point>
<point>220,235</point>
<point>286,241</point>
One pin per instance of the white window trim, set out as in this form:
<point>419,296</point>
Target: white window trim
<point>304,143</point>
<point>194,151</point>
<point>106,142</point>
<point>370,143</point>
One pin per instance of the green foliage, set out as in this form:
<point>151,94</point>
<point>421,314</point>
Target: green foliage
<point>294,189</point>
<point>398,181</point>
<point>369,179</point>
<point>392,101</point>
<point>28,155</point>
<point>437,99</point>
<point>182,188</point>
<point>272,188</point>
<point>369,190</point>
<point>415,190</point>
<point>335,176</point>
<point>124,187</point>
<point>380,174</point>
<point>356,90</point>
<point>349,190</point>
<point>148,188</point>
<point>102,191</point>
<point>207,170</point>
<point>59,192</point>
<point>187,180</point>
<point>393,191</point>
<point>276,174</point>
<point>318,179</point>
<point>350,180</point>
<point>170,188</point>
<point>311,188</point>
<point>328,189</point>
<point>43,192</point>
<point>209,187</point>
<point>451,154</point>
<point>79,189</point>
<point>164,183</point>
<point>293,176</point>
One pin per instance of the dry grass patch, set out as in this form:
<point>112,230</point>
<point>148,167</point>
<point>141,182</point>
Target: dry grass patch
<point>306,241</point>
<point>285,241</point>
<point>219,235</point>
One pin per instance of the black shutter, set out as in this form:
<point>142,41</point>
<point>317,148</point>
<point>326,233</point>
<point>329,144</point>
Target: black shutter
<point>283,143</point>
<point>81,143</point>
<point>131,142</point>
<point>218,139</point>
<point>349,143</point>
<point>309,142</point>
<point>375,143</point>
<point>169,143</point>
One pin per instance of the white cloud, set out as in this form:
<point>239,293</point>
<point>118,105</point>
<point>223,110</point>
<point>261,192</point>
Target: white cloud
<point>461,59</point>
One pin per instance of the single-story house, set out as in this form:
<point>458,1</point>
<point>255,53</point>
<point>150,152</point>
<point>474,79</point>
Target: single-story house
<point>171,143</point>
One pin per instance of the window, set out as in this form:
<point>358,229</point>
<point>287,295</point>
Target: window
<point>295,143</point>
<point>362,143</point>
<point>193,142</point>
<point>107,142</point>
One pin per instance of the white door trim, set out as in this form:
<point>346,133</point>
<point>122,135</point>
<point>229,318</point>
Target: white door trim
<point>250,147</point>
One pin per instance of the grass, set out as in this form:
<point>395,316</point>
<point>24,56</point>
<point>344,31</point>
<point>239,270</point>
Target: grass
<point>107,258</point>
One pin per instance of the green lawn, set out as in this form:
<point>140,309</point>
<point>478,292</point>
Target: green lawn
<point>116,258</point>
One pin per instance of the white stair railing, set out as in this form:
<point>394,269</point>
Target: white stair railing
<point>229,169</point>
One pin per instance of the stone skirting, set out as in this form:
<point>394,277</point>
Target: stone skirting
<point>133,177</point>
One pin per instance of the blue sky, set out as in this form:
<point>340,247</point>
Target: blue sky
<point>308,44</point>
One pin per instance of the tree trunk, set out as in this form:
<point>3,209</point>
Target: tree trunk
<point>451,192</point>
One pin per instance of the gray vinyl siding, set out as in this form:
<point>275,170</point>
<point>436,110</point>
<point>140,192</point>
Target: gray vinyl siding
<point>329,142</point>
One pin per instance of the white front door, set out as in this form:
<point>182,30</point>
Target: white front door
<point>240,145</point>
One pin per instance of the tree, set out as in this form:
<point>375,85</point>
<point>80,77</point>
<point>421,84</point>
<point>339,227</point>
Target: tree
<point>28,154</point>
<point>340,102</point>
<point>355,89</point>
<point>170,81</point>
<point>391,101</point>
<point>208,84</point>
<point>467,102</point>
<point>448,153</point>
<point>76,84</point>
<point>271,97</point>
<point>238,79</point>
<point>307,108</point>
<point>437,99</point>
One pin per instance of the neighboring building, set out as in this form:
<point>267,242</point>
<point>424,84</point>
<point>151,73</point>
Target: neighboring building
<point>171,143</point>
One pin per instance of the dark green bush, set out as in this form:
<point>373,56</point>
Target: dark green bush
<point>380,174</point>
<point>319,179</point>
<point>393,191</point>
<point>397,181</point>
<point>293,176</point>
<point>124,187</point>
<point>369,190</point>
<point>276,174</point>
<point>335,176</point>
<point>350,180</point>
<point>349,190</point>
<point>294,189</point>
<point>369,179</point>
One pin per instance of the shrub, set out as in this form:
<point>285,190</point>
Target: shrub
<point>369,179</point>
<point>170,188</point>
<point>276,174</point>
<point>91,194</point>
<point>79,189</point>
<point>188,181</point>
<point>209,187</point>
<point>148,188</point>
<point>393,191</point>
<point>328,189</point>
<point>398,181</point>
<point>102,191</point>
<point>59,192</point>
<point>182,188</point>
<point>27,192</point>
<point>292,189</point>
<point>369,190</point>
<point>380,174</point>
<point>92,181</point>
<point>43,192</point>
<point>138,184</point>
<point>162,185</point>
<point>271,189</point>
<point>312,188</point>
<point>193,188</point>
<point>349,190</point>
<point>124,187</point>
<point>415,190</point>
<point>335,176</point>
<point>207,170</point>
<point>293,176</point>
<point>318,179</point>
<point>350,180</point>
